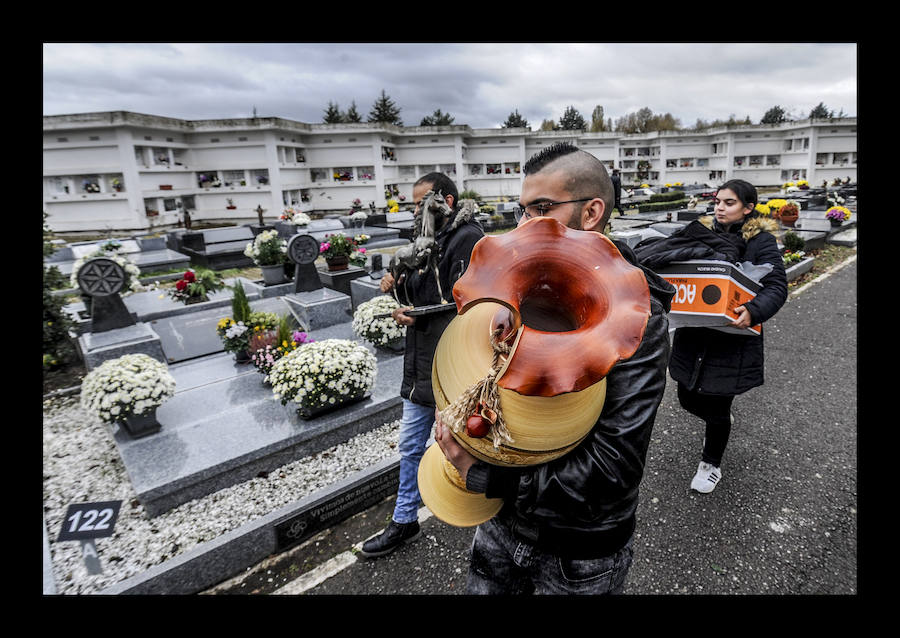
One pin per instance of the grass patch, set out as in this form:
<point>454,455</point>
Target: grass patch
<point>826,257</point>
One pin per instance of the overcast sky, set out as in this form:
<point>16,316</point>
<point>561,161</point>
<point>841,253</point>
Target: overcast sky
<point>479,84</point>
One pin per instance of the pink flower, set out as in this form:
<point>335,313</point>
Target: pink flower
<point>324,246</point>
<point>362,250</point>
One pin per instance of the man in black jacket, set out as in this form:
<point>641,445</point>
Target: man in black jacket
<point>454,238</point>
<point>566,526</point>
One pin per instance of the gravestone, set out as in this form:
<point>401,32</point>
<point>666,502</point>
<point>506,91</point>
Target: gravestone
<point>303,250</point>
<point>113,330</point>
<point>102,280</point>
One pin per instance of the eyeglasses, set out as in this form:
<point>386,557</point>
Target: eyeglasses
<point>539,210</point>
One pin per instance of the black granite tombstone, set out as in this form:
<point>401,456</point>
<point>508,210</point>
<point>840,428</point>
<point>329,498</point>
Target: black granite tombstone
<point>102,280</point>
<point>303,250</point>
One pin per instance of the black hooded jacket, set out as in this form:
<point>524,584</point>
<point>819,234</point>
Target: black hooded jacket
<point>421,289</point>
<point>583,504</point>
<point>711,361</point>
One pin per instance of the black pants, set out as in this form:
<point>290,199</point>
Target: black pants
<point>715,410</point>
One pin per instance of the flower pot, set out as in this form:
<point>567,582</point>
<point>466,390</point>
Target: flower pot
<point>192,300</point>
<point>788,220</point>
<point>140,425</point>
<point>165,187</point>
<point>835,223</point>
<point>273,275</point>
<point>397,345</point>
<point>312,413</point>
<point>231,207</point>
<point>242,357</point>
<point>338,263</point>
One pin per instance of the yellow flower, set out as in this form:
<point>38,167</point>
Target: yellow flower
<point>284,344</point>
<point>762,209</point>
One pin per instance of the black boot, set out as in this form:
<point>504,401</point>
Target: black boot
<point>394,535</point>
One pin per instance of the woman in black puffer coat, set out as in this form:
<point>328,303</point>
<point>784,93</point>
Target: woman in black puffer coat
<point>710,366</point>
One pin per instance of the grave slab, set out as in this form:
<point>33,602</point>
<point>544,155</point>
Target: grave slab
<point>363,289</point>
<point>340,279</point>
<point>319,308</point>
<point>135,339</point>
<point>190,335</point>
<point>224,426</point>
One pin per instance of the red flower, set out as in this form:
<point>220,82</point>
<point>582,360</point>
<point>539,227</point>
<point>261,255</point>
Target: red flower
<point>189,276</point>
<point>181,284</point>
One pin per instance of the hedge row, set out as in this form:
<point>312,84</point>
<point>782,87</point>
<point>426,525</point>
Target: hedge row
<point>657,206</point>
<point>667,197</point>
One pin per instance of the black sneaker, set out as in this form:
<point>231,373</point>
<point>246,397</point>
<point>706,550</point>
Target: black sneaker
<point>394,535</point>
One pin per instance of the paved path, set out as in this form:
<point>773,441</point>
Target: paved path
<point>783,520</point>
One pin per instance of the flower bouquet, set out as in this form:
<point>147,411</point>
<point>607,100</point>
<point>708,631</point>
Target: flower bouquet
<point>393,206</point>
<point>194,286</point>
<point>792,257</point>
<point>340,250</point>
<point>372,321</point>
<point>763,210</point>
<point>128,390</point>
<point>295,217</point>
<point>837,215</point>
<point>234,331</point>
<point>789,210</point>
<point>234,335</point>
<point>323,375</point>
<point>361,239</point>
<point>267,348</point>
<point>267,249</point>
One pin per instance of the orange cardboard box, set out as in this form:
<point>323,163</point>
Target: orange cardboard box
<point>706,294</point>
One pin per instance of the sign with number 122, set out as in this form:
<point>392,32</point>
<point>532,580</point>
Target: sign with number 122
<point>89,520</point>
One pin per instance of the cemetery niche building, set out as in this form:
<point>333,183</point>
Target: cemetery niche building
<point>120,171</point>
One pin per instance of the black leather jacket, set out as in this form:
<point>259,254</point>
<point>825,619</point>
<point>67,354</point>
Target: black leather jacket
<point>583,504</point>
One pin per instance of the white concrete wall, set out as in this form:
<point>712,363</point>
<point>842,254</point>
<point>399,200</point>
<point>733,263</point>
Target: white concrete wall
<point>105,144</point>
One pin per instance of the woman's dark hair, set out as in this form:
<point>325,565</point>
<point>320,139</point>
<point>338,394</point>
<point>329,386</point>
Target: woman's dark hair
<point>745,191</point>
<point>442,183</point>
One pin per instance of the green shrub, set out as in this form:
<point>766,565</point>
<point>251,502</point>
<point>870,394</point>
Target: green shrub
<point>792,241</point>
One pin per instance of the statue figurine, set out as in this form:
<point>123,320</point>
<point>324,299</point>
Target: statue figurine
<point>187,219</point>
<point>259,212</point>
<point>421,253</point>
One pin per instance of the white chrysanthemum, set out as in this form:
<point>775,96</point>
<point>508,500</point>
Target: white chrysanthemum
<point>313,376</point>
<point>130,384</point>
<point>376,330</point>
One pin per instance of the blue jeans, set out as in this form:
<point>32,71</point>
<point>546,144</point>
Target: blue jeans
<point>415,428</point>
<point>502,564</point>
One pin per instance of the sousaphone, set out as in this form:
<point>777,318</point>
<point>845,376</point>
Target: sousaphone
<point>519,375</point>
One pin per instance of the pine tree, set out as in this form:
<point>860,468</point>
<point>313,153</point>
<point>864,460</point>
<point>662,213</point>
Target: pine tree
<point>352,115</point>
<point>515,121</point>
<point>437,119</point>
<point>775,115</point>
<point>821,112</point>
<point>332,114</point>
<point>572,120</point>
<point>384,110</point>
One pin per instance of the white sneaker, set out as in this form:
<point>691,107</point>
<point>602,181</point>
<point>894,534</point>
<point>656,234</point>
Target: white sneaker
<point>706,478</point>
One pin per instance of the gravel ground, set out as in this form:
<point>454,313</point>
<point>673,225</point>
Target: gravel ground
<point>82,464</point>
